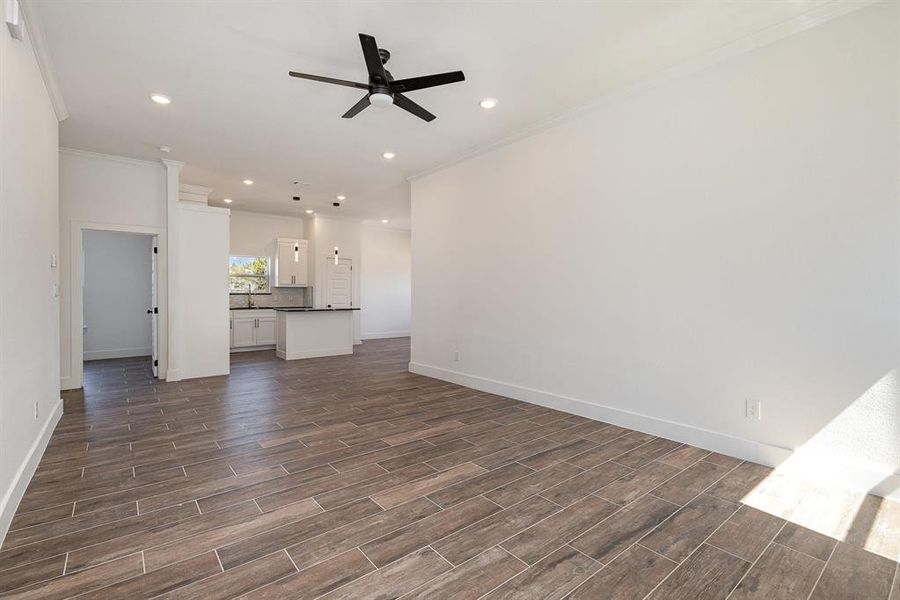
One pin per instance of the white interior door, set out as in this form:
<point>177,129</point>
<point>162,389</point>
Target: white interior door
<point>154,307</point>
<point>339,283</point>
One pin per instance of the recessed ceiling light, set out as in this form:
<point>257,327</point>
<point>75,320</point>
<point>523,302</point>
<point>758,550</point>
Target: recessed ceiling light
<point>309,211</point>
<point>226,200</point>
<point>388,155</point>
<point>385,221</point>
<point>341,197</point>
<point>488,103</point>
<point>160,99</point>
<point>248,182</point>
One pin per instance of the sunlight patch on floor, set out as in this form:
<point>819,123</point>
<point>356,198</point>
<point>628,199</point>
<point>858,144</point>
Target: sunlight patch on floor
<point>836,511</point>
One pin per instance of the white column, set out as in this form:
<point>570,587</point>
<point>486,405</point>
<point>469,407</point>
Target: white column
<point>173,272</point>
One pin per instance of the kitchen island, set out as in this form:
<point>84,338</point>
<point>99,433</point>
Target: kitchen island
<point>312,332</point>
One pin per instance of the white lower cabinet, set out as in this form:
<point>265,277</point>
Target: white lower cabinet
<point>252,328</point>
<point>265,330</point>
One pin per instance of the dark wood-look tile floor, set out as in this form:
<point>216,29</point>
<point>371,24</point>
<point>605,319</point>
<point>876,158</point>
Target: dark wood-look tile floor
<point>349,477</point>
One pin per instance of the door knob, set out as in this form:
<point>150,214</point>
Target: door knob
<point>149,311</point>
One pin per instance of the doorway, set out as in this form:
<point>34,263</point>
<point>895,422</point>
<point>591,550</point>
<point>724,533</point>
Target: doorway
<point>120,310</point>
<point>339,283</point>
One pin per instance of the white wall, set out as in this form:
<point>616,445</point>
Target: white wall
<point>29,328</point>
<point>203,297</point>
<point>729,234</point>
<point>385,281</point>
<point>101,192</point>
<point>253,234</point>
<point>117,294</point>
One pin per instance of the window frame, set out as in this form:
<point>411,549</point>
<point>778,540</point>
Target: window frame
<point>267,275</point>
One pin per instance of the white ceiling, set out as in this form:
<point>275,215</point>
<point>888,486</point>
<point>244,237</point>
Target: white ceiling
<point>235,113</point>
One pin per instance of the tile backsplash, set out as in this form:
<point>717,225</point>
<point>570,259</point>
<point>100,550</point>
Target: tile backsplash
<point>278,297</point>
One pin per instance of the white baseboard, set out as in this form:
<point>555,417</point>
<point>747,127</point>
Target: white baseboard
<point>384,334</point>
<point>22,478</point>
<point>852,475</point>
<point>173,375</point>
<point>298,354</point>
<point>117,353</point>
<point>67,383</point>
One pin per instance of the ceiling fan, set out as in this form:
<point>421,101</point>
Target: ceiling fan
<point>382,89</point>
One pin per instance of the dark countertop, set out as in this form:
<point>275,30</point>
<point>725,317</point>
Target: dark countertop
<point>290,309</point>
<point>264,307</point>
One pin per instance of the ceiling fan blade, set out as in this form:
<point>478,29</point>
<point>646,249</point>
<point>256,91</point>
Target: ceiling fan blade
<point>426,81</point>
<point>357,108</point>
<point>373,59</point>
<point>344,82</point>
<point>410,106</point>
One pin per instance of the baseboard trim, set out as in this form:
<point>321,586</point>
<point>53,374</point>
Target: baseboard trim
<point>313,353</point>
<point>24,473</point>
<point>117,353</point>
<point>251,348</point>
<point>853,475</point>
<point>385,335</point>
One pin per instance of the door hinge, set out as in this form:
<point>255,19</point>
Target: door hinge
<point>155,310</point>
<point>155,363</point>
<point>155,250</point>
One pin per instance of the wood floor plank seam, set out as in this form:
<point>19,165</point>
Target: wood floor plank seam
<point>895,584</point>
<point>822,572</point>
<point>761,554</point>
<point>638,543</point>
<point>695,550</point>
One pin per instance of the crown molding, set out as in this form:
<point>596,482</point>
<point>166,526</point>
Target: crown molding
<point>172,164</point>
<point>113,157</point>
<point>42,55</point>
<point>195,189</point>
<point>800,23</point>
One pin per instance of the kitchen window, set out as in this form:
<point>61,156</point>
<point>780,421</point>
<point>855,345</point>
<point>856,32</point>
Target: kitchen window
<point>248,274</point>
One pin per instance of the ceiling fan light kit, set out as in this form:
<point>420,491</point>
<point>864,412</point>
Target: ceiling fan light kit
<point>381,100</point>
<point>382,89</point>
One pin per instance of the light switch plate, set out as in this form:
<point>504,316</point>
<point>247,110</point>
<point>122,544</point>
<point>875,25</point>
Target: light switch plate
<point>52,261</point>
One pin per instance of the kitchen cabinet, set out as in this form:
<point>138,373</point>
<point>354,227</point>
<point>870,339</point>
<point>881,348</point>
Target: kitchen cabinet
<point>291,263</point>
<point>252,328</point>
<point>242,332</point>
<point>265,330</point>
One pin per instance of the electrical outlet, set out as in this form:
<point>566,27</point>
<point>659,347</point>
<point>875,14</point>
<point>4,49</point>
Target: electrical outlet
<point>456,356</point>
<point>35,411</point>
<point>753,409</point>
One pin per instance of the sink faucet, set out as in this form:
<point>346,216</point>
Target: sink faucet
<point>249,296</point>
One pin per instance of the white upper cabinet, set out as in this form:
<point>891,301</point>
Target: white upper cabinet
<point>291,263</point>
